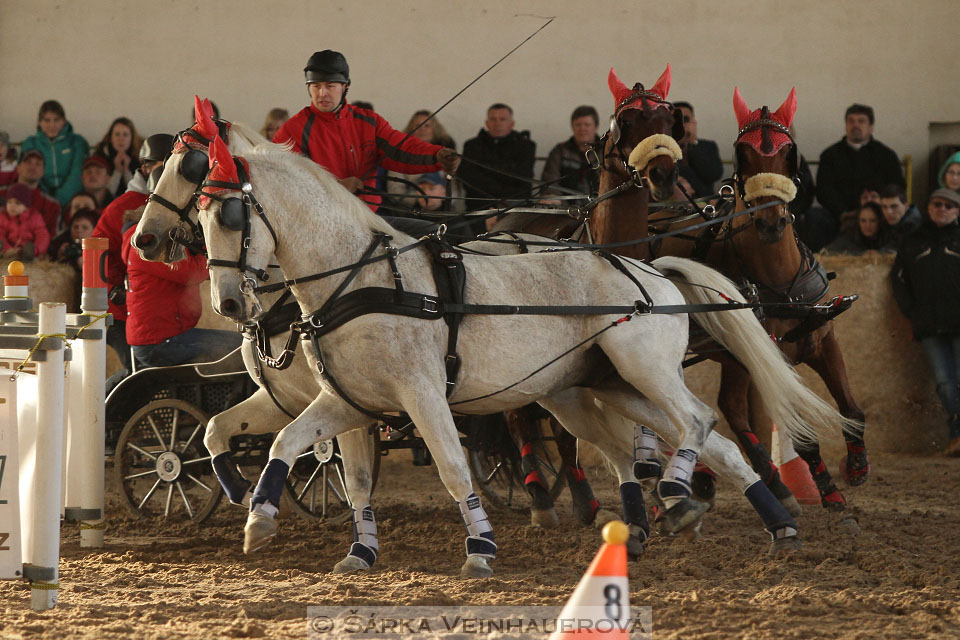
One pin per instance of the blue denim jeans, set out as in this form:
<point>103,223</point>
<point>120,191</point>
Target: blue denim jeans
<point>943,354</point>
<point>191,346</point>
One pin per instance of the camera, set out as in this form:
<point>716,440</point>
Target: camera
<point>73,251</point>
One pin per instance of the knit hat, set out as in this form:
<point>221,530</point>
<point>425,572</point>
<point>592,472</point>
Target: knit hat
<point>20,192</point>
<point>432,178</point>
<point>953,159</point>
<point>31,152</point>
<point>945,194</point>
<point>97,160</point>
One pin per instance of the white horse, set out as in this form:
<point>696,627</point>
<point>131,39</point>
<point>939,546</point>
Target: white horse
<point>395,363</point>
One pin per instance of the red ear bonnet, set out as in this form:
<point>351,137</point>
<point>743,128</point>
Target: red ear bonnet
<point>754,137</point>
<point>203,112</point>
<point>222,167</point>
<point>617,88</point>
<point>662,86</point>
<point>621,92</point>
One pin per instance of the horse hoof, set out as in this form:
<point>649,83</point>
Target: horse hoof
<point>546,518</point>
<point>848,524</point>
<point>476,567</point>
<point>258,532</point>
<point>682,515</point>
<point>692,533</point>
<point>854,476</point>
<point>791,505</point>
<point>603,517</point>
<point>350,564</point>
<point>784,545</point>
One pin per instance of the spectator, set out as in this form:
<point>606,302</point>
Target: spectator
<point>567,164</point>
<point>869,234</point>
<point>63,152</point>
<point>120,146</point>
<point>274,120</point>
<point>29,173</point>
<point>22,229</point>
<point>949,176</point>
<point>868,193</point>
<point>65,247</point>
<point>845,166</point>
<point>164,306</point>
<point>349,142</point>
<point>82,200</point>
<point>96,178</point>
<point>926,286</point>
<point>701,164</point>
<point>110,226</point>
<point>499,162</point>
<point>902,217</point>
<point>431,131</point>
<point>8,166</point>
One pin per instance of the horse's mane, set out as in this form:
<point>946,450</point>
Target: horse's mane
<point>280,156</point>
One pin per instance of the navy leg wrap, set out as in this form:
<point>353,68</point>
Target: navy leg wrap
<point>271,482</point>
<point>634,510</point>
<point>363,552</point>
<point>482,544</point>
<point>773,514</point>
<point>234,485</point>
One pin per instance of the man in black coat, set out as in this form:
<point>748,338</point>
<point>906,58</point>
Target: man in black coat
<point>701,164</point>
<point>845,167</point>
<point>926,286</point>
<point>507,153</point>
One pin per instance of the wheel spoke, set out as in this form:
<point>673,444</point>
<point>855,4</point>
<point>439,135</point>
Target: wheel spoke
<point>166,508</point>
<point>156,432</point>
<point>199,482</point>
<point>195,460</point>
<point>192,436</point>
<point>323,493</point>
<point>343,484</point>
<point>173,429</point>
<point>496,470</point>
<point>138,449</point>
<point>149,494</point>
<point>313,476</point>
<point>184,496</point>
<point>139,475</point>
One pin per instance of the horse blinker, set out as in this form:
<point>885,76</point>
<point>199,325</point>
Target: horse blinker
<point>194,166</point>
<point>233,214</point>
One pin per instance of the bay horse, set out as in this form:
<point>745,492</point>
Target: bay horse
<point>763,249</point>
<point>616,373</point>
<point>637,161</point>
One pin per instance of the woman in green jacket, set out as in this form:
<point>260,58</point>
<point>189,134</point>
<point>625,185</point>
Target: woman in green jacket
<point>63,151</point>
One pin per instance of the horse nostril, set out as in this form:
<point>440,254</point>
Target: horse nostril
<point>145,241</point>
<point>229,307</point>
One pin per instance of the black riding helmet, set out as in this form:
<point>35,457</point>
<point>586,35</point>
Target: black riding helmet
<point>156,148</point>
<point>327,66</point>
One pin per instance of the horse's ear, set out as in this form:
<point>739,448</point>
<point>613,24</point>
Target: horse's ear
<point>222,166</point>
<point>205,124</point>
<point>740,107</point>
<point>789,107</point>
<point>662,85</point>
<point>617,88</point>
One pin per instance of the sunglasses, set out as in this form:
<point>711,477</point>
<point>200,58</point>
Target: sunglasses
<point>943,204</point>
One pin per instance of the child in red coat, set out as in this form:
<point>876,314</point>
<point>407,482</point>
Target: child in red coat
<point>22,229</point>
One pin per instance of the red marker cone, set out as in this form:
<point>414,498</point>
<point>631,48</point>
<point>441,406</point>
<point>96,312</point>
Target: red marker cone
<point>600,605</point>
<point>794,472</point>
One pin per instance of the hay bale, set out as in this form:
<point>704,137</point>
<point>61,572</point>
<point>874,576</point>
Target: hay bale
<point>52,282</point>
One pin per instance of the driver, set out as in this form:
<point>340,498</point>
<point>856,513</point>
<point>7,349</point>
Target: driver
<point>351,142</point>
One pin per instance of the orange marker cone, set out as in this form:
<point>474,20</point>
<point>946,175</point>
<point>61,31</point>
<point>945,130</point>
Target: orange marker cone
<point>793,470</point>
<point>600,605</point>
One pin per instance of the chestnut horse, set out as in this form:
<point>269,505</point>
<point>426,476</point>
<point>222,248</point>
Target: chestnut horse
<point>762,249</point>
<point>637,160</point>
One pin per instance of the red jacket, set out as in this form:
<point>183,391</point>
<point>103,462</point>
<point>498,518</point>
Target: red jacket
<point>162,300</point>
<point>353,142</point>
<point>26,227</point>
<point>48,207</point>
<point>110,226</point>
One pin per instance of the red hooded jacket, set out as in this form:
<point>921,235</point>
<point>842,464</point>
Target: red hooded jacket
<point>353,142</point>
<point>48,207</point>
<point>162,300</point>
<point>26,227</point>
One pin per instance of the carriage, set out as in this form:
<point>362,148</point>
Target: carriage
<point>155,420</point>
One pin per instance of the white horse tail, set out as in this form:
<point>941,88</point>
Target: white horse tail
<point>796,410</point>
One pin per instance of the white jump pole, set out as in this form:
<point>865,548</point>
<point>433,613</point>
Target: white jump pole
<point>44,565</point>
<point>92,433</point>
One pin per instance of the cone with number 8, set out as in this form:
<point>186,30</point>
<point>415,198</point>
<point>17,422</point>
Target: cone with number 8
<point>600,604</point>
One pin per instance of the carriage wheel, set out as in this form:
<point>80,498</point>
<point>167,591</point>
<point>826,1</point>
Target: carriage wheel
<point>316,485</point>
<point>498,474</point>
<point>161,466</point>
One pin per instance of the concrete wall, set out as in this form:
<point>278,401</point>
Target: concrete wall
<point>104,58</point>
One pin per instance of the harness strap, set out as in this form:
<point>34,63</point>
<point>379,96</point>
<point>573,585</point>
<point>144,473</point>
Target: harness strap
<point>305,136</point>
<point>450,277</point>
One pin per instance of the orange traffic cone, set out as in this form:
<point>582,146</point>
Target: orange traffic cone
<point>600,605</point>
<point>794,472</point>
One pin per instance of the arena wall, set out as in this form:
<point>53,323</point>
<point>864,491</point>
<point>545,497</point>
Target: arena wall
<point>146,60</point>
